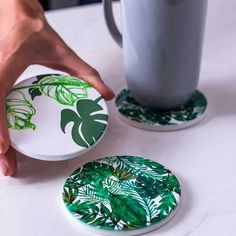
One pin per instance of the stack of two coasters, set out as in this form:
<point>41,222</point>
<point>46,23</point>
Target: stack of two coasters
<point>55,117</point>
<point>58,117</point>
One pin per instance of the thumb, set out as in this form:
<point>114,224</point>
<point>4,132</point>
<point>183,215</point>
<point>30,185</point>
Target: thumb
<point>7,157</point>
<point>9,72</point>
<point>4,136</point>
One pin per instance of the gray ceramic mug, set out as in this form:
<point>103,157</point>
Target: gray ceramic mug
<point>162,42</point>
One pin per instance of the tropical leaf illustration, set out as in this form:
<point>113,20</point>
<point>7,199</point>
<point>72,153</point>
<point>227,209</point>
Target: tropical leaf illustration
<point>92,172</point>
<point>127,106</point>
<point>63,88</point>
<point>134,167</point>
<point>88,193</point>
<point>120,200</point>
<point>114,187</point>
<point>88,124</point>
<point>173,184</point>
<point>147,203</point>
<point>70,194</point>
<point>87,211</point>
<point>148,186</point>
<point>35,91</point>
<point>167,203</point>
<point>19,112</point>
<point>123,174</point>
<point>128,209</point>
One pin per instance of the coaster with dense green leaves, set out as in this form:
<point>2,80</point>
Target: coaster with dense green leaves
<point>142,117</point>
<point>55,117</point>
<point>121,195</point>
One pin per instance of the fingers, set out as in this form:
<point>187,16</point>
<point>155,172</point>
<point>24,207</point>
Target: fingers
<point>91,76</point>
<point>9,72</point>
<point>67,61</point>
<point>8,163</point>
<point>4,136</point>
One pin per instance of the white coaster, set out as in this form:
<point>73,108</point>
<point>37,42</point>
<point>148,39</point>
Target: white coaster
<point>132,113</point>
<point>55,117</point>
<point>121,195</point>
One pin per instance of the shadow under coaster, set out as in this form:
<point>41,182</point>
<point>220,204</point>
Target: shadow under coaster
<point>142,117</point>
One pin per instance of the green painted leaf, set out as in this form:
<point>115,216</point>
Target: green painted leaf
<point>150,187</point>
<point>137,168</point>
<point>123,174</point>
<point>167,204</point>
<point>173,184</point>
<point>99,221</point>
<point>88,193</point>
<point>19,112</point>
<point>114,187</point>
<point>35,92</point>
<point>83,208</point>
<point>88,124</point>
<point>63,88</point>
<point>88,217</point>
<point>70,194</point>
<point>129,210</point>
<point>105,211</point>
<point>145,201</point>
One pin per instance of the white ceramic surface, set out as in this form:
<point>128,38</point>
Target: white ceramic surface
<point>43,111</point>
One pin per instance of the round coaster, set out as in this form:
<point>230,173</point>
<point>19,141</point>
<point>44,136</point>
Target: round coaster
<point>121,195</point>
<point>146,118</point>
<point>55,117</point>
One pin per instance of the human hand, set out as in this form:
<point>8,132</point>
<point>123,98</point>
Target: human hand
<point>26,38</point>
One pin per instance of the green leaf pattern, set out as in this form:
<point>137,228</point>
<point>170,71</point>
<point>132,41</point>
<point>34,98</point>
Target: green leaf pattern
<point>118,200</point>
<point>19,112</point>
<point>65,90</point>
<point>89,124</point>
<point>128,107</point>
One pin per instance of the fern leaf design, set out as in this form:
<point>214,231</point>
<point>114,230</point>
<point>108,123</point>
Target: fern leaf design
<point>137,169</point>
<point>87,193</point>
<point>147,203</point>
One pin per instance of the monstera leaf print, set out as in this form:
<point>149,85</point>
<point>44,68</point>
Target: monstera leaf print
<point>63,88</point>
<point>88,124</point>
<point>19,112</point>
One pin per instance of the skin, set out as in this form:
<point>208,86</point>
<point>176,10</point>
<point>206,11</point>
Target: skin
<point>26,38</point>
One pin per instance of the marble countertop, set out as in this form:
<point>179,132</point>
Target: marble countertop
<point>203,157</point>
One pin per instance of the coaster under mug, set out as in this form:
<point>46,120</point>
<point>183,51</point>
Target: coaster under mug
<point>142,117</point>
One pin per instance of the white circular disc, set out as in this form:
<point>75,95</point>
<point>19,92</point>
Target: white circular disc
<point>55,117</point>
